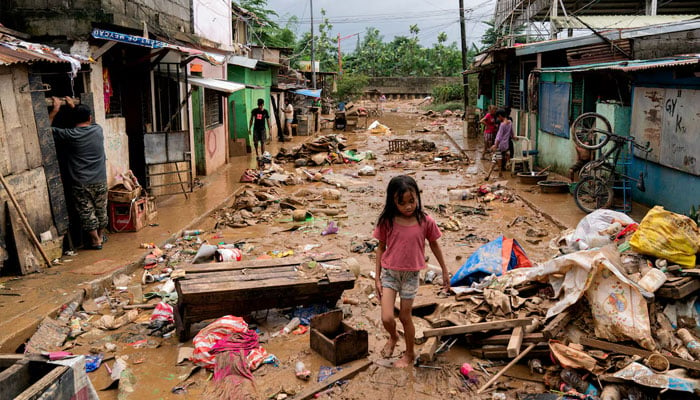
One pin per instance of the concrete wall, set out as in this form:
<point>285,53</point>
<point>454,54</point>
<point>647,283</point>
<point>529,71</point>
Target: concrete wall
<point>667,44</point>
<point>409,86</point>
<point>246,100</point>
<point>74,18</point>
<point>212,20</point>
<point>114,129</point>
<point>215,138</point>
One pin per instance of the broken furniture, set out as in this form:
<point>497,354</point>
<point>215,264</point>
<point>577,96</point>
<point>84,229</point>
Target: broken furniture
<point>238,288</point>
<point>27,378</point>
<point>337,341</point>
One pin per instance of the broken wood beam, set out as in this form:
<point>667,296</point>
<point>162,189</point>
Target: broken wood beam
<point>239,265</point>
<point>347,372</point>
<point>480,327</point>
<point>515,342</point>
<point>504,339</point>
<point>633,351</point>
<point>557,324</point>
<point>501,353</point>
<point>427,352</point>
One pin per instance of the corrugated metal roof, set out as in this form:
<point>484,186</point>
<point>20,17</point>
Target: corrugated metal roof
<point>631,65</point>
<point>567,43</point>
<point>15,51</point>
<point>618,21</point>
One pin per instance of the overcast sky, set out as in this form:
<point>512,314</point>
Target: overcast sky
<point>391,17</point>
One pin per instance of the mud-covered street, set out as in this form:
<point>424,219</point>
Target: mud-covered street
<point>153,363</point>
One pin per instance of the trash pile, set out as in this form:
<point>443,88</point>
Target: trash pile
<point>329,149</point>
<point>612,316</point>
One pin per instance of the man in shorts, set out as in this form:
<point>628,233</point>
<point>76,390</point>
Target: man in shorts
<point>87,169</point>
<point>258,118</point>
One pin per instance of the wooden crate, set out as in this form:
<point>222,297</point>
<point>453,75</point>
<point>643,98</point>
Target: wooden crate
<point>335,340</point>
<point>23,378</point>
<point>239,288</point>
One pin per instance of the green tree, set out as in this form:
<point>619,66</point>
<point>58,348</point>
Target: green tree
<point>497,36</point>
<point>325,46</point>
<point>351,86</point>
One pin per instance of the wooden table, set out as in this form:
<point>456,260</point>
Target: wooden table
<point>239,288</point>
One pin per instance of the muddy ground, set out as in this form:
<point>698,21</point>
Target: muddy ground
<point>156,370</point>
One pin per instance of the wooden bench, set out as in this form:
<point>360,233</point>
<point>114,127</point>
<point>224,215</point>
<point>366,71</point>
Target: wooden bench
<point>239,288</point>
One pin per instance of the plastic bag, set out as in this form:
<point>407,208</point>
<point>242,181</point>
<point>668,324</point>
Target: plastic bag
<point>667,235</point>
<point>590,231</point>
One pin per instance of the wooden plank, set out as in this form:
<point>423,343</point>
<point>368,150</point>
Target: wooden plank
<point>28,255</point>
<point>427,351</point>
<point>241,272</point>
<point>500,353</point>
<point>506,368</point>
<point>196,287</point>
<point>347,372</point>
<point>504,339</point>
<point>13,125</point>
<point>561,320</point>
<point>49,158</point>
<point>680,289</point>
<point>241,277</point>
<point>480,327</point>
<point>26,117</point>
<point>5,165</point>
<point>236,265</point>
<point>633,351</point>
<point>516,340</point>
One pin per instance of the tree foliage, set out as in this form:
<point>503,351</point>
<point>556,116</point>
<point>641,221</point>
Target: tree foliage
<point>351,86</point>
<point>499,37</point>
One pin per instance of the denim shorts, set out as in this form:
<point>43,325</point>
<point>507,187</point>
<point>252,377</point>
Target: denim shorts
<point>405,283</point>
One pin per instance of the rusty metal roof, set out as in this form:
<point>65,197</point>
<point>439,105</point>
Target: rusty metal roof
<point>16,51</point>
<point>632,65</point>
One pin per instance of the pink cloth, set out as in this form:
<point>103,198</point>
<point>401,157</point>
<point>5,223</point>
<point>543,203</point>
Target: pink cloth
<point>405,245</point>
<point>489,123</point>
<point>505,132</point>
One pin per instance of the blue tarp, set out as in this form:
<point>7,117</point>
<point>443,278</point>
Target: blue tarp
<point>309,92</point>
<point>492,258</point>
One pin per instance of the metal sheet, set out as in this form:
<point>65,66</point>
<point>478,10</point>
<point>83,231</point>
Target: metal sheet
<point>161,147</point>
<point>215,84</point>
<point>669,120</point>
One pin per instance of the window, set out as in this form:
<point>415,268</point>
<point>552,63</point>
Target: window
<point>554,108</point>
<point>212,108</point>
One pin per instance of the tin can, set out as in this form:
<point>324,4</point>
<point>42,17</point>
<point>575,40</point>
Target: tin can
<point>430,276</point>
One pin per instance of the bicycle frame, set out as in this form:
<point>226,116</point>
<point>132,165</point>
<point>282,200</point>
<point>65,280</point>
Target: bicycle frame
<point>615,151</point>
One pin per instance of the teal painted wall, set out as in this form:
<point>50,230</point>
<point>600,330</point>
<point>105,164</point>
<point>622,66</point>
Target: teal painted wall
<point>246,99</point>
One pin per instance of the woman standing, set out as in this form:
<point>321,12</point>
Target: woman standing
<point>490,127</point>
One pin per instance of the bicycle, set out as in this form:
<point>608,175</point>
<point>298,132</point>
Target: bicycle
<point>595,188</point>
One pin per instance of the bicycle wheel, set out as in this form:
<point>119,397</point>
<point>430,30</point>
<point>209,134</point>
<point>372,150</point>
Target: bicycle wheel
<point>592,193</point>
<point>591,131</point>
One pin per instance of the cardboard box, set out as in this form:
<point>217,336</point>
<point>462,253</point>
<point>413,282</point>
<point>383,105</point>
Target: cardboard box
<point>127,217</point>
<point>119,194</point>
<point>336,341</point>
<point>151,211</point>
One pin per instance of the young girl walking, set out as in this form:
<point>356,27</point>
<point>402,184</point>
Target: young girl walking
<point>402,230</point>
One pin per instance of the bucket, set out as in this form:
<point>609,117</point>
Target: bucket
<point>653,280</point>
<point>225,255</point>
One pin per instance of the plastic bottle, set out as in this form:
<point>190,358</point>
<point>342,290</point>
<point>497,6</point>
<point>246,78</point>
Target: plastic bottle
<point>301,371</point>
<point>652,280</point>
<point>576,381</point>
<point>194,232</point>
<point>75,328</point>
<point>291,325</point>
<point>691,343</point>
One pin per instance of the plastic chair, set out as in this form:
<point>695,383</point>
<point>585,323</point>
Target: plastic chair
<point>521,154</point>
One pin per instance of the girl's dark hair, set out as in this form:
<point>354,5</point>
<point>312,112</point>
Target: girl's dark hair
<point>399,185</point>
<point>501,113</point>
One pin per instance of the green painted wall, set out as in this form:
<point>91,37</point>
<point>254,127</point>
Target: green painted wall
<point>556,152</point>
<point>246,99</point>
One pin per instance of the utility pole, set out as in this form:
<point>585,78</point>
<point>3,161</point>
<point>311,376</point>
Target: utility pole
<point>313,62</point>
<point>465,78</point>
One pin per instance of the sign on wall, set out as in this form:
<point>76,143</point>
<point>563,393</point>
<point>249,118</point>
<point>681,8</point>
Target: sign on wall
<point>669,119</point>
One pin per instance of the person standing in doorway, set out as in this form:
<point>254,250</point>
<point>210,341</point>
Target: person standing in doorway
<point>490,127</point>
<point>288,118</point>
<point>258,118</point>
<point>87,169</point>
<point>503,138</point>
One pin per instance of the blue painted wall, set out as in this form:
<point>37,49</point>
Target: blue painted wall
<point>677,191</point>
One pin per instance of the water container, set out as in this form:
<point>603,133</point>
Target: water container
<point>653,280</point>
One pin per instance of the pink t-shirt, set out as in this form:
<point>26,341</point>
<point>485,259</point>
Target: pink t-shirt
<point>490,123</point>
<point>405,245</point>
